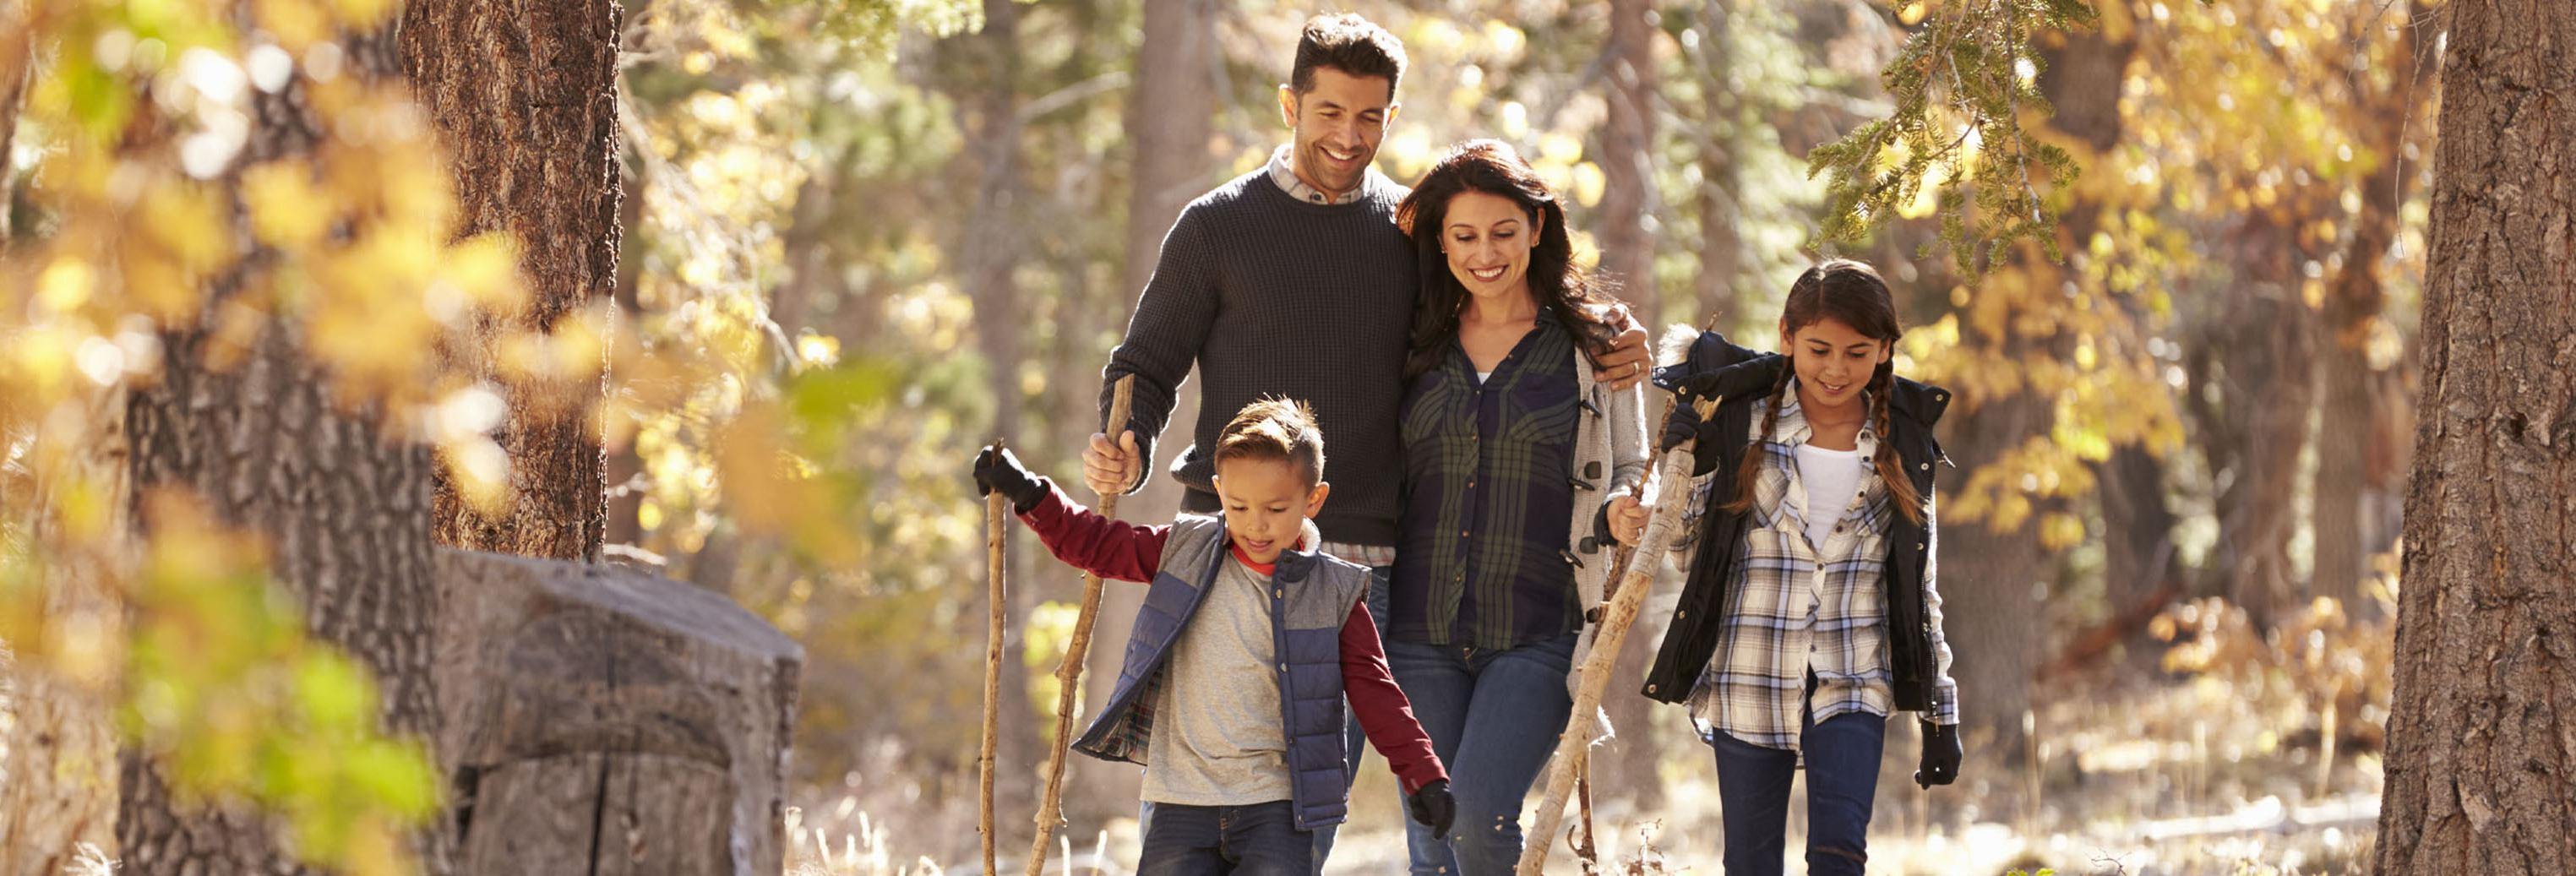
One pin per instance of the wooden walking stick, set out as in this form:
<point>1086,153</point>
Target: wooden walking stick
<point>1628,598</point>
<point>1587,849</point>
<point>1068,675</point>
<point>997,516</point>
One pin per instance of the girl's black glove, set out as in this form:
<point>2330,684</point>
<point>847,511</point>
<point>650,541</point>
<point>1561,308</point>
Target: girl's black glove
<point>1941,754</point>
<point>1002,472</point>
<point>1433,807</point>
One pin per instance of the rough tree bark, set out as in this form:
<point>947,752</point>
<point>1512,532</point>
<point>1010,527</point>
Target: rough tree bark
<point>2482,754</point>
<point>524,95</point>
<point>341,502</point>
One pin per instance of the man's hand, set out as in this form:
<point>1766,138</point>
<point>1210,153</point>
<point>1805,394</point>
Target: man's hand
<point>1627,520</point>
<point>1626,360</point>
<point>1112,468</point>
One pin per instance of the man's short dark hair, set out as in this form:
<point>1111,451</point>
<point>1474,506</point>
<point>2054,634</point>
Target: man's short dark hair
<point>1348,43</point>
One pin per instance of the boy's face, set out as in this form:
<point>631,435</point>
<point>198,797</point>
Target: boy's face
<point>1266,504</point>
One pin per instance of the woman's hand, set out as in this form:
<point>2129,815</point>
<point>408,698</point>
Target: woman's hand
<point>1628,520</point>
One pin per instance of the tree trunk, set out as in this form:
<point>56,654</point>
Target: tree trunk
<point>524,98</point>
<point>1992,582</point>
<point>2353,302</point>
<point>1172,116</point>
<point>342,503</point>
<point>1987,583</point>
<point>2258,353</point>
<point>58,740</point>
<point>990,109</point>
<point>345,509</point>
<point>2139,563</point>
<point>611,721</point>
<point>1628,157</point>
<point>17,70</point>
<point>1721,186</point>
<point>2482,736</point>
<point>1628,763</point>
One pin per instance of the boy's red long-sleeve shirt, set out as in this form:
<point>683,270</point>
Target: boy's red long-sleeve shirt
<point>1132,552</point>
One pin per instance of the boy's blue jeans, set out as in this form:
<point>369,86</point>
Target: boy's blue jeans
<point>1257,840</point>
<point>1493,717</point>
<point>1842,781</point>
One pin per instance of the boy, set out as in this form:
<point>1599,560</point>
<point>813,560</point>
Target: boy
<point>1232,690</point>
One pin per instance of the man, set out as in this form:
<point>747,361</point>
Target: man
<point>1305,247</point>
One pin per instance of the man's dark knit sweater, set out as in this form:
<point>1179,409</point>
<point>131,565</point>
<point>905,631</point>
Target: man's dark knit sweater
<point>1272,296</point>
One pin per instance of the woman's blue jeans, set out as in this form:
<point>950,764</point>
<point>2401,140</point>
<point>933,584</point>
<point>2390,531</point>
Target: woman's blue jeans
<point>1493,717</point>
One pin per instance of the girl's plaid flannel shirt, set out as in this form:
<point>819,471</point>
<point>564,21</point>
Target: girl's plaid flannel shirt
<point>1799,608</point>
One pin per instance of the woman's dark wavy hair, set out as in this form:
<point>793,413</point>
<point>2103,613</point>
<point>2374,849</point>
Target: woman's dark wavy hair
<point>1575,298</point>
<point>1853,294</point>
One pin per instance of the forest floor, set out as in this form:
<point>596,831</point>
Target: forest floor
<point>2134,772</point>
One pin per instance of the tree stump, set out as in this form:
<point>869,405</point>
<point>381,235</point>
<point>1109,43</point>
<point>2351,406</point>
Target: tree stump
<point>605,720</point>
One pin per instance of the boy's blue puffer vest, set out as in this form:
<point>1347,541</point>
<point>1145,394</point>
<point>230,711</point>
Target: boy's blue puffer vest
<point>1311,597</point>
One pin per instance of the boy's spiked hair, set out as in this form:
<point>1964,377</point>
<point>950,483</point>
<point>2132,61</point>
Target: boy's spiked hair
<point>1275,429</point>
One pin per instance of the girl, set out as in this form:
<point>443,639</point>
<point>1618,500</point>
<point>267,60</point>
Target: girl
<point>1510,449</point>
<point>1809,616</point>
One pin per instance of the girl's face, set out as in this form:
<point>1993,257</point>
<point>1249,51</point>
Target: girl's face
<point>1487,238</point>
<point>1833,361</point>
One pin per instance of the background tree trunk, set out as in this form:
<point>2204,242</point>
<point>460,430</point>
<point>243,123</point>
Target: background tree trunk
<point>2354,299</point>
<point>1173,114</point>
<point>989,106</point>
<point>1628,763</point>
<point>1991,582</point>
<point>2257,351</point>
<point>2482,737</point>
<point>1628,157</point>
<point>17,71</point>
<point>524,97</point>
<point>1721,186</point>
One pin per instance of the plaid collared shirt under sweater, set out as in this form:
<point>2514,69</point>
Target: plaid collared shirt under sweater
<point>1800,608</point>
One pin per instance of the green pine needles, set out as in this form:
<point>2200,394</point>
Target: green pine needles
<point>1964,86</point>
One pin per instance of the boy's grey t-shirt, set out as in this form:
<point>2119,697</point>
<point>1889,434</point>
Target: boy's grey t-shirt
<point>1226,748</point>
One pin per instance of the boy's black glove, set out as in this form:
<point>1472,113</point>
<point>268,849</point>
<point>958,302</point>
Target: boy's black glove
<point>1434,807</point>
<point>1002,472</point>
<point>1941,754</point>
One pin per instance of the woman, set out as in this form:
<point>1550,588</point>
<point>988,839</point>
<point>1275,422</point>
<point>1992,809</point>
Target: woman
<point>1809,616</point>
<point>1511,451</point>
